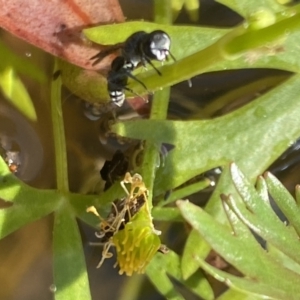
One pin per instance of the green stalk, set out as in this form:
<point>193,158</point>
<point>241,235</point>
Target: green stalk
<point>62,183</point>
<point>162,12</point>
<point>131,289</point>
<point>180,194</point>
<point>159,108</point>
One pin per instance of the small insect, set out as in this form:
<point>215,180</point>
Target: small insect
<point>117,79</point>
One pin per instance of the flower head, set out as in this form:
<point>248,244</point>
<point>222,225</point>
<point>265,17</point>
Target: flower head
<point>136,244</point>
<point>129,228</point>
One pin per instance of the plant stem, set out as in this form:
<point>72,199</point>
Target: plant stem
<point>159,108</point>
<point>131,288</point>
<point>160,105</point>
<point>231,46</point>
<point>162,11</point>
<point>62,183</point>
<point>180,194</point>
<point>252,39</point>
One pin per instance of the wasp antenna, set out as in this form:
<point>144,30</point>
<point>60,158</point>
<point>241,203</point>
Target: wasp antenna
<point>173,57</point>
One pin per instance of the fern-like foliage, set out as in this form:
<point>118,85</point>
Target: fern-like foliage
<point>271,272</point>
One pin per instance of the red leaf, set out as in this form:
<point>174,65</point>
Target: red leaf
<point>56,26</point>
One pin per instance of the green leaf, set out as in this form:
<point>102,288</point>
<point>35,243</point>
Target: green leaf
<point>242,251</point>
<point>20,64</point>
<point>9,184</point>
<point>283,259</point>
<point>224,139</point>
<point>262,189</point>
<point>163,264</point>
<point>190,38</point>
<point>251,288</point>
<point>259,216</point>
<point>232,294</point>
<point>28,204</point>
<point>166,214</point>
<point>284,200</point>
<point>18,215</point>
<point>215,208</point>
<point>70,275</point>
<point>194,246</point>
<point>158,276</point>
<point>14,91</point>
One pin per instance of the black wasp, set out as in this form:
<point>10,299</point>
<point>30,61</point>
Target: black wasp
<point>139,49</point>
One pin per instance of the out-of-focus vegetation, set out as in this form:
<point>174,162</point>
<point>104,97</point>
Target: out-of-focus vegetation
<point>252,137</point>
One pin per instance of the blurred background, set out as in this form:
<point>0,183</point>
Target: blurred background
<point>25,256</point>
